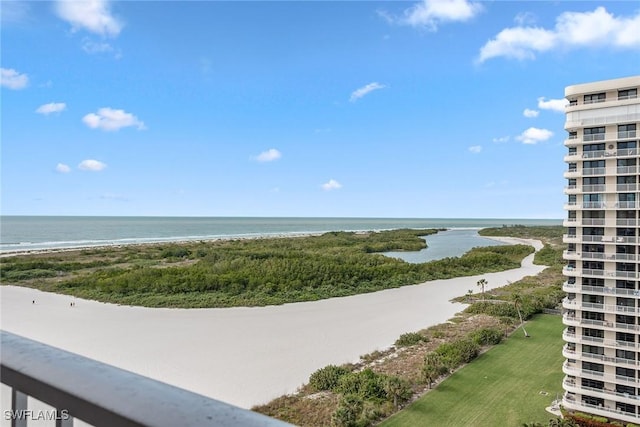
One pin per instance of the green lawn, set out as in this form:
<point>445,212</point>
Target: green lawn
<point>508,385</point>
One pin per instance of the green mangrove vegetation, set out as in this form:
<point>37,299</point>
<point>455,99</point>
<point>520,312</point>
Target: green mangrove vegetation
<point>247,272</point>
<point>420,362</point>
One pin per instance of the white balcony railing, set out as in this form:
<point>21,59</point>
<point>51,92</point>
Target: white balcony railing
<point>102,395</point>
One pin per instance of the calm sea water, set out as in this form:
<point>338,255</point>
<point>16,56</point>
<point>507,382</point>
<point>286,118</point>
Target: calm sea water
<point>24,233</point>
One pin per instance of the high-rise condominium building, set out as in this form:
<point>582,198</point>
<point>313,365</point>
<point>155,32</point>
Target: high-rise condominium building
<point>602,306</point>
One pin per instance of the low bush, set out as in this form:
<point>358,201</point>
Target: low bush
<point>410,338</point>
<point>327,378</point>
<point>487,336</point>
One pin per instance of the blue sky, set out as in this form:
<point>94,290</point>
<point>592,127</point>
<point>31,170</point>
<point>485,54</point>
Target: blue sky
<point>343,109</point>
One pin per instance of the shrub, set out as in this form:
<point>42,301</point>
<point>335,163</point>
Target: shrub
<point>487,336</point>
<point>410,338</point>
<point>366,384</point>
<point>456,353</point>
<point>327,378</point>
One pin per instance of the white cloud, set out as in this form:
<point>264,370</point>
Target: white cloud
<point>332,184</point>
<point>91,165</point>
<point>96,48</point>
<point>501,139</point>
<point>430,14</point>
<point>364,90</point>
<point>269,155</point>
<point>475,148</point>
<point>534,135</point>
<point>557,105</point>
<point>572,30</point>
<point>530,113</point>
<point>62,168</point>
<point>111,120</point>
<point>12,79</point>
<point>91,15</point>
<point>52,107</point>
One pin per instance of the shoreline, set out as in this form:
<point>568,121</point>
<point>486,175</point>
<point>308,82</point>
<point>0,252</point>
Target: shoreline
<point>188,239</point>
<point>245,356</point>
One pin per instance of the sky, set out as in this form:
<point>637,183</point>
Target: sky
<point>404,109</point>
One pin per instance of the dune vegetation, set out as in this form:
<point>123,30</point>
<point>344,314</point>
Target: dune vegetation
<point>247,272</point>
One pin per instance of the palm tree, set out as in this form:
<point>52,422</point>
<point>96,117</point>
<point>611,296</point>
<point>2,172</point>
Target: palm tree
<point>482,283</point>
<point>517,303</point>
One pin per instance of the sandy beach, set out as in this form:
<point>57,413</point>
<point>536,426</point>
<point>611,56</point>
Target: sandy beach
<point>243,356</point>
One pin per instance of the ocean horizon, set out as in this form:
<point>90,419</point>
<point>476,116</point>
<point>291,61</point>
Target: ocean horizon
<point>21,233</point>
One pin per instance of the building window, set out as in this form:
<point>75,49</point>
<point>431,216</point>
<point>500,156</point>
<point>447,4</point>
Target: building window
<point>595,97</point>
<point>573,135</point>
<point>593,401</point>
<point>573,102</point>
<point>593,333</point>
<point>626,354</point>
<point>593,147</point>
<point>586,382</point>
<point>627,131</point>
<point>589,164</point>
<point>592,366</point>
<point>594,134</point>
<point>625,337</point>
<point>627,94</point>
<point>593,282</point>
<point>625,389</point>
<point>625,407</point>
<point>625,284</point>
<point>626,320</point>
<point>625,372</point>
<point>592,349</point>
<point>592,315</point>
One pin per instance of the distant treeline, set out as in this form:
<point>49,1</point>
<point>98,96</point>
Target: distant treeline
<point>248,272</point>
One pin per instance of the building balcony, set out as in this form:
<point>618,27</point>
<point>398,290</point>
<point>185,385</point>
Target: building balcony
<point>571,403</point>
<point>569,222</point>
<point>626,170</point>
<point>594,188</point>
<point>571,157</point>
<point>594,137</point>
<point>571,320</point>
<point>626,205</point>
<point>571,141</point>
<point>627,134</point>
<point>626,188</point>
<point>624,257</point>
<point>571,189</point>
<point>627,152</point>
<point>593,256</point>
<point>604,290</point>
<point>76,387</point>
<point>568,353</point>
<point>570,255</point>
<point>569,238</point>
<point>626,222</point>
<point>571,173</point>
<point>594,171</point>
<point>593,221</point>
<point>568,336</point>
<point>572,386</point>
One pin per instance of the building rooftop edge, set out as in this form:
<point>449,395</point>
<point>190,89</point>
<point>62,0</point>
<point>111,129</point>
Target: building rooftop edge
<point>603,85</point>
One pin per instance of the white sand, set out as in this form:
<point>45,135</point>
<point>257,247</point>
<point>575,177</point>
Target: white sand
<point>244,356</point>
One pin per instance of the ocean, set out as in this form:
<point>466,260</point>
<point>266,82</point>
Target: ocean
<point>29,233</point>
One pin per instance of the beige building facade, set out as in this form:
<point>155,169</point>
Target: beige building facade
<point>601,311</point>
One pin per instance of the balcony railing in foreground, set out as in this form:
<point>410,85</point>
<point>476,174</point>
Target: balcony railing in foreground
<point>103,395</point>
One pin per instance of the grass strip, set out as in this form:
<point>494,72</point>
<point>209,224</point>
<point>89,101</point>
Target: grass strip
<point>509,385</point>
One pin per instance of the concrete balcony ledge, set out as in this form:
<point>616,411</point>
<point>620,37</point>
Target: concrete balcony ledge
<point>103,395</point>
